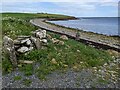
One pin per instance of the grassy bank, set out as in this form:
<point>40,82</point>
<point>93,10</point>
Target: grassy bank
<point>72,54</point>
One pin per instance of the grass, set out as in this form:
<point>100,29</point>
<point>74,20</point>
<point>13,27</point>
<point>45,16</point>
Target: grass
<point>27,82</point>
<point>16,78</point>
<point>102,81</point>
<point>34,15</point>
<point>65,55</point>
<point>27,69</point>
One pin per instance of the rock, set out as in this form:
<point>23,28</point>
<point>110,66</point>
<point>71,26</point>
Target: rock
<point>44,40</point>
<point>112,52</point>
<point>28,42</point>
<point>77,36</point>
<point>23,49</point>
<point>23,37</point>
<point>31,48</point>
<point>78,50</point>
<point>64,37</point>
<point>65,65</point>
<point>53,61</point>
<point>8,46</point>
<point>55,41</point>
<point>40,34</point>
<point>74,67</point>
<point>44,33</point>
<point>16,42</point>
<point>24,41</point>
<point>36,42</point>
<point>48,36</point>
<point>61,43</point>
<point>26,62</point>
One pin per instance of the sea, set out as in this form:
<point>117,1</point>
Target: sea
<point>101,25</point>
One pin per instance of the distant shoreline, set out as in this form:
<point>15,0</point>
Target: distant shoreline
<point>107,42</point>
<point>76,28</point>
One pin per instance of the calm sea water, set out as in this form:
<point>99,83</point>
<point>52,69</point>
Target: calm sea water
<point>101,25</point>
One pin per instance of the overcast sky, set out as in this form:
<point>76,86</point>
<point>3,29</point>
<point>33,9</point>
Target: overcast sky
<point>79,8</point>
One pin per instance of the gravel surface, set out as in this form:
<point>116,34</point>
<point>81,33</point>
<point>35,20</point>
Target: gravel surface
<point>70,79</point>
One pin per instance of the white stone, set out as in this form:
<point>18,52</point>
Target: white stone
<point>23,41</point>
<point>64,37</point>
<point>41,34</point>
<point>44,33</point>
<point>23,49</point>
<point>31,48</point>
<point>44,40</point>
<point>28,42</point>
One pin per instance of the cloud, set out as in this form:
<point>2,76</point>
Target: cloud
<point>82,1</point>
<point>81,8</point>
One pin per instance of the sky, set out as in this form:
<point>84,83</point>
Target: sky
<point>78,8</point>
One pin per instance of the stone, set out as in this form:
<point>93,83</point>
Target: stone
<point>64,37</point>
<point>77,36</point>
<point>8,46</point>
<point>65,65</point>
<point>112,52</point>
<point>55,41</point>
<point>16,42</point>
<point>26,62</point>
<point>28,42</point>
<point>41,34</point>
<point>23,37</point>
<point>36,42</point>
<point>49,36</point>
<point>44,40</point>
<point>23,49</point>
<point>31,48</point>
<point>44,33</point>
<point>78,50</point>
<point>61,43</point>
<point>24,41</point>
<point>74,67</point>
<point>53,61</point>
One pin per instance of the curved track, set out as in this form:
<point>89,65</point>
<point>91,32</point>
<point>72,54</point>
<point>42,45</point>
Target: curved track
<point>91,39</point>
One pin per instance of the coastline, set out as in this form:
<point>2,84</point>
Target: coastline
<point>90,38</point>
<point>117,36</point>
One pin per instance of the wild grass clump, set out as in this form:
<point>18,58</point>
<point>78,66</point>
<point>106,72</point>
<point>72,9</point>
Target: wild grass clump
<point>6,64</point>
<point>16,78</point>
<point>27,69</point>
<point>27,82</point>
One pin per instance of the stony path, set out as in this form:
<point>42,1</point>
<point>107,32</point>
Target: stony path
<point>100,39</point>
<point>69,79</point>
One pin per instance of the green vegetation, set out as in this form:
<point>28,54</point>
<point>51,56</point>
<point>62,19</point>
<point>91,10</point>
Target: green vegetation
<point>34,15</point>
<point>72,54</point>
<point>6,64</point>
<point>27,82</point>
<point>66,55</point>
<point>16,78</point>
<point>27,69</point>
<point>102,81</point>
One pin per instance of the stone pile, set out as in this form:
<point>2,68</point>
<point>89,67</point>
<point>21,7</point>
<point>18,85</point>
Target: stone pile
<point>24,44</point>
